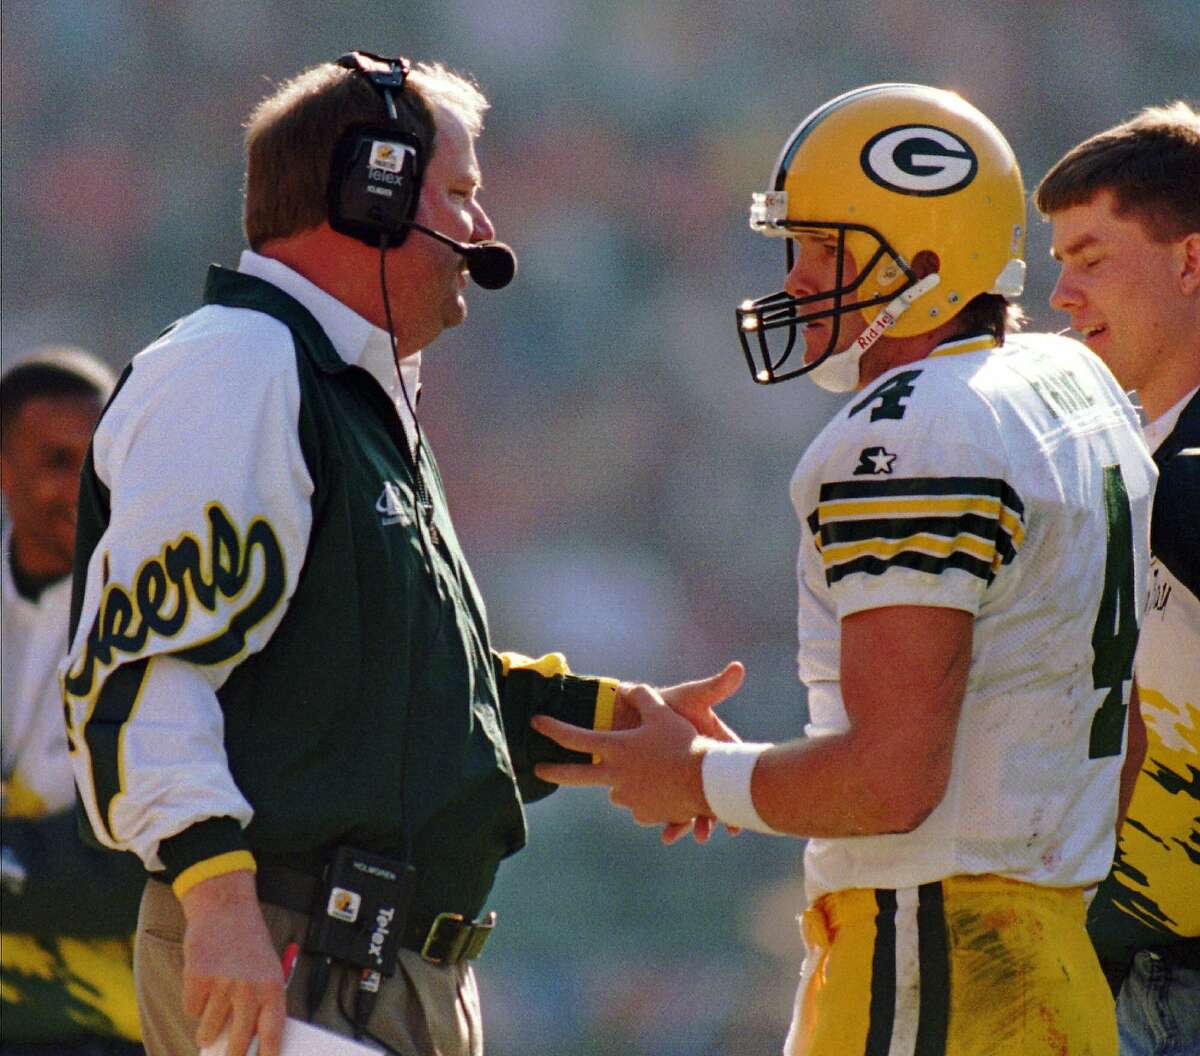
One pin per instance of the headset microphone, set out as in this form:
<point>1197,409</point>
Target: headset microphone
<point>491,264</point>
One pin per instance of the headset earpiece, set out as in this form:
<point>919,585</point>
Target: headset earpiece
<point>375,184</point>
<point>376,171</point>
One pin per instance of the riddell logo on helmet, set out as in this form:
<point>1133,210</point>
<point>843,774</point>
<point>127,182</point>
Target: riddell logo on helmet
<point>919,160</point>
<point>876,330</point>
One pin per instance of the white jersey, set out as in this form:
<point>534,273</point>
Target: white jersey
<point>1012,483</point>
<point>33,737</point>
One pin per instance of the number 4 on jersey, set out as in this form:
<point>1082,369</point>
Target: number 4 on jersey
<point>1115,635</point>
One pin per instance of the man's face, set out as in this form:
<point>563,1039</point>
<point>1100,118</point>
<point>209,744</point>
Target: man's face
<point>40,459</point>
<point>1119,287</point>
<point>434,274</point>
<point>814,270</point>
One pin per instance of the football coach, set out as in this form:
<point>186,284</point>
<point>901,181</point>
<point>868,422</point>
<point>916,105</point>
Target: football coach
<point>281,692</point>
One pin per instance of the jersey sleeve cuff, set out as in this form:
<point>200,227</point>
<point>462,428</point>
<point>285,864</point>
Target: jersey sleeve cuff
<point>214,840</point>
<point>232,862</point>
<point>606,704</point>
<point>584,701</point>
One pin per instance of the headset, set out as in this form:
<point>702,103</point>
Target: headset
<point>375,181</point>
<point>374,188</point>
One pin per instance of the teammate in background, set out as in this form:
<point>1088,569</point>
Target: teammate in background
<point>974,536</point>
<point>278,651</point>
<point>1125,205</point>
<point>69,911</point>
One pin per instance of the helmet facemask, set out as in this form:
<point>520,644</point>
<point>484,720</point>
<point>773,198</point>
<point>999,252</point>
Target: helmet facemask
<point>780,310</point>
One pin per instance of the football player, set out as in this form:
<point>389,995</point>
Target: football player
<point>974,539</point>
<point>1125,205</point>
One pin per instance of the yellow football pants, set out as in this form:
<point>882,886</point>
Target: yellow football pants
<point>968,966</point>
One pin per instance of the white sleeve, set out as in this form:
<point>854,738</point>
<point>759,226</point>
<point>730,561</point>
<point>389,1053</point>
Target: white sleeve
<point>919,509</point>
<point>209,521</point>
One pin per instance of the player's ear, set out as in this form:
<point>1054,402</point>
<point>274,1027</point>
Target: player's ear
<point>926,263</point>
<point>1189,263</point>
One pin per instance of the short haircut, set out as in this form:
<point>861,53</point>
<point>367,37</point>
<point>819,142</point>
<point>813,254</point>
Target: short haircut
<point>1150,163</point>
<point>990,313</point>
<point>57,371</point>
<point>291,135</point>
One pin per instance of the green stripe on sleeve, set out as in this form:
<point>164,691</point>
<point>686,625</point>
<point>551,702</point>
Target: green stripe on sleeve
<point>902,527</point>
<point>909,487</point>
<point>910,559</point>
<point>114,705</point>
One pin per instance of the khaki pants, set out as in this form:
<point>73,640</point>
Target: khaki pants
<point>422,1010</point>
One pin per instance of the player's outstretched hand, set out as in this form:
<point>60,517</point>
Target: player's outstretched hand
<point>695,701</point>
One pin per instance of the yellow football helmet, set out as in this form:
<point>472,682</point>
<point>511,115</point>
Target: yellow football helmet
<point>889,170</point>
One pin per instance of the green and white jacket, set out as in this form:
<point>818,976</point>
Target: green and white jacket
<point>271,652</point>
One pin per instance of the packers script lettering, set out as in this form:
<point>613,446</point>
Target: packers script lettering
<point>166,587</point>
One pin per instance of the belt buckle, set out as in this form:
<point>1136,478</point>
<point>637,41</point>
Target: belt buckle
<point>464,946</point>
<point>480,930</point>
<point>432,937</point>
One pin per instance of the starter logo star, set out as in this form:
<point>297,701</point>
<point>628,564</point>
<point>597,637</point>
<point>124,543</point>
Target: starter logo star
<point>875,460</point>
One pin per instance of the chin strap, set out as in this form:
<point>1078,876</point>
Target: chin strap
<point>839,372</point>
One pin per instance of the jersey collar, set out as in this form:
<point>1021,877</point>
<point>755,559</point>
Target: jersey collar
<point>972,343</point>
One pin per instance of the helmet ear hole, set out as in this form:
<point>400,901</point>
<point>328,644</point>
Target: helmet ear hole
<point>926,263</point>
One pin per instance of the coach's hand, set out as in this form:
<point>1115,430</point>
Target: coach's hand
<point>231,972</point>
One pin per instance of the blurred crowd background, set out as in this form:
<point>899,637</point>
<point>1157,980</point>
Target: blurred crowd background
<point>619,482</point>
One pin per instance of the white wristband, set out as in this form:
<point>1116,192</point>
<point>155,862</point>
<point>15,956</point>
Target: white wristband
<point>726,770</point>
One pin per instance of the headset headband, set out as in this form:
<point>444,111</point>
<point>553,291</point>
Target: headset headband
<point>384,74</point>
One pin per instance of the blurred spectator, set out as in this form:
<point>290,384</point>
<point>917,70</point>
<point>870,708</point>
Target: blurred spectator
<point>68,911</point>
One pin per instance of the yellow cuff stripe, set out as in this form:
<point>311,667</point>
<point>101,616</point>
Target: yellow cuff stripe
<point>229,862</point>
<point>606,704</point>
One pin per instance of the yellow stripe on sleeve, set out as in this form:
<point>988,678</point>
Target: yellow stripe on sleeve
<point>934,545</point>
<point>928,506</point>
<point>1011,523</point>
<point>606,704</point>
<point>229,862</point>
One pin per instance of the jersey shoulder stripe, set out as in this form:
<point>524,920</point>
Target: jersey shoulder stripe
<point>929,524</point>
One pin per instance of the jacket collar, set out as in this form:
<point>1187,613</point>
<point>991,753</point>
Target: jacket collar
<point>1184,430</point>
<point>336,336</point>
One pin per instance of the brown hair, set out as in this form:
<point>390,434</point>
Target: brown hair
<point>989,313</point>
<point>291,135</point>
<point>1150,163</point>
